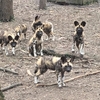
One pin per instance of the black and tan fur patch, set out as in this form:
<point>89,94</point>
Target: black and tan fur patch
<point>59,64</point>
<point>36,24</point>
<point>11,39</point>
<point>36,43</point>
<point>21,30</point>
<point>78,37</point>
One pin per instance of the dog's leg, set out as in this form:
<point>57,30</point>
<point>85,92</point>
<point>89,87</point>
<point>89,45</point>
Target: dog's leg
<point>41,52</point>
<point>62,73</point>
<point>18,34</point>
<point>34,51</point>
<point>47,37</point>
<point>36,79</point>
<point>2,46</point>
<point>73,48</point>
<point>59,79</point>
<point>6,50</point>
<point>13,50</point>
<point>37,73</point>
<point>82,49</point>
<point>25,35</point>
<point>53,37</point>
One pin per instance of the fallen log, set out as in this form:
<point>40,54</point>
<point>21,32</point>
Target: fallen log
<point>11,86</point>
<point>72,79</point>
<point>8,70</point>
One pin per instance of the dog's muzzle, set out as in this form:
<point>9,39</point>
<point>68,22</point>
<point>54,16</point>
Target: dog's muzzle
<point>68,68</point>
<point>13,44</point>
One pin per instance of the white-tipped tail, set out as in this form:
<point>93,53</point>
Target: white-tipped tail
<point>29,73</point>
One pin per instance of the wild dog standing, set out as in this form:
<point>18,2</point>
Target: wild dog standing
<point>10,38</point>
<point>78,37</point>
<point>36,23</point>
<point>21,30</point>
<point>59,64</point>
<point>48,29</point>
<point>36,43</point>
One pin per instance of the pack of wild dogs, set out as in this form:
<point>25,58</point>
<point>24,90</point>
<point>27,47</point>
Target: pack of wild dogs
<point>35,47</point>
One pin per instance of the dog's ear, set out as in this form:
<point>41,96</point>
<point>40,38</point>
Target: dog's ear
<point>83,23</point>
<point>16,37</point>
<point>37,17</point>
<point>10,38</point>
<point>63,59</point>
<point>76,23</point>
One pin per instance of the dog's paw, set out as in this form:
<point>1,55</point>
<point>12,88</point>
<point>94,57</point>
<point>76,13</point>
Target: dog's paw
<point>36,80</point>
<point>6,53</point>
<point>41,53</point>
<point>35,55</point>
<point>73,51</point>
<point>60,85</point>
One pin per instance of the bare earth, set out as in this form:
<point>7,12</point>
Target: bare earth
<point>62,17</point>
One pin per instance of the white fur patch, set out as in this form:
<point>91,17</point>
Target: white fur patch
<point>6,50</point>
<point>29,73</point>
<point>59,80</point>
<point>82,49</point>
<point>73,48</point>
<point>13,51</point>
<point>36,79</point>
<point>41,53</point>
<point>34,51</point>
<point>18,34</point>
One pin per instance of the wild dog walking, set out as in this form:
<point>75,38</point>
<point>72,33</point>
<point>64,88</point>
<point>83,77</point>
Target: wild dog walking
<point>59,64</point>
<point>21,30</point>
<point>36,43</point>
<point>11,39</point>
<point>78,37</point>
<point>46,26</point>
<point>48,29</point>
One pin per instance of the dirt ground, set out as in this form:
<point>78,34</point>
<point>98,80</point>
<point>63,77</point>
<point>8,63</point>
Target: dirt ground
<point>62,17</point>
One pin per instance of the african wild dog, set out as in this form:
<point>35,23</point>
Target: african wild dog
<point>46,26</point>
<point>21,30</point>
<point>59,64</point>
<point>36,43</point>
<point>11,39</point>
<point>78,37</point>
<point>48,29</point>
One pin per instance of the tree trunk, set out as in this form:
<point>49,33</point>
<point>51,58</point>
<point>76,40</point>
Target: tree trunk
<point>6,10</point>
<point>42,4</point>
<point>1,95</point>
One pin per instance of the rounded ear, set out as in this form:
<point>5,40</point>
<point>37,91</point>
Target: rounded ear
<point>76,23</point>
<point>83,23</point>
<point>63,59</point>
<point>16,37</point>
<point>10,38</point>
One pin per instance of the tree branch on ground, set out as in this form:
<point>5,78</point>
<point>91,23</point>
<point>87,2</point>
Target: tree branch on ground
<point>72,79</point>
<point>8,71</point>
<point>11,86</point>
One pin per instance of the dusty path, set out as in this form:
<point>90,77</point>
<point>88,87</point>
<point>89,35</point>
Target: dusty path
<point>62,17</point>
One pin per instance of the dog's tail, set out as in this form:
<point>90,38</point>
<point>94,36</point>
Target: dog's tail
<point>29,73</point>
<point>37,17</point>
